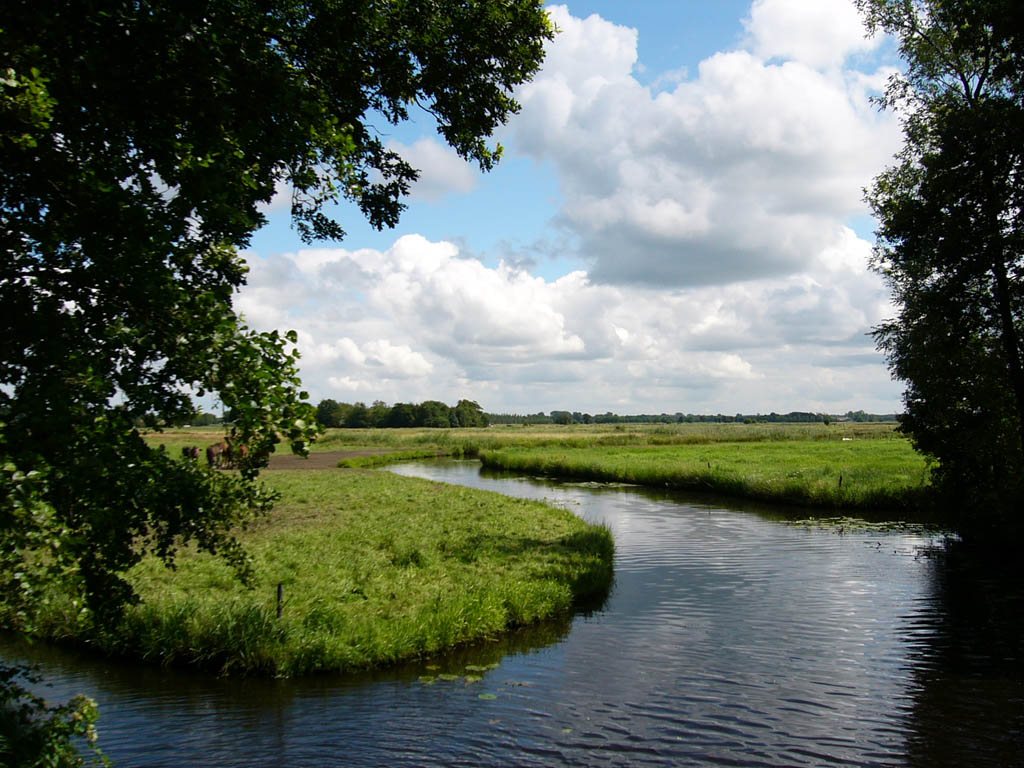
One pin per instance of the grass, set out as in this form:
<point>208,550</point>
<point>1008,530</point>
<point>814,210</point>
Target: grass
<point>853,466</point>
<point>854,474</point>
<point>846,465</point>
<point>381,459</point>
<point>375,569</point>
<point>471,440</point>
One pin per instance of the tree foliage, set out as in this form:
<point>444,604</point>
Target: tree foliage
<point>36,733</point>
<point>138,142</point>
<point>950,245</point>
<point>430,413</point>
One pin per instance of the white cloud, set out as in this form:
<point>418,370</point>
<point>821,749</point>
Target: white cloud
<point>819,33</point>
<point>419,321</point>
<point>397,361</point>
<point>442,171</point>
<point>748,170</point>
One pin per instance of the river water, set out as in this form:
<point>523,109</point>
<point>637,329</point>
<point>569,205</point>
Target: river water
<point>730,638</point>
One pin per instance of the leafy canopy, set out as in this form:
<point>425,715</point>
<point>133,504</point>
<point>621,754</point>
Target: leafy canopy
<point>138,142</point>
<point>950,245</point>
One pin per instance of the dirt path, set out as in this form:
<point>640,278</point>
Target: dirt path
<point>324,460</point>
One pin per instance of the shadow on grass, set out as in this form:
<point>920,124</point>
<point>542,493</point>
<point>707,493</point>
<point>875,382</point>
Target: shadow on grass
<point>590,579</point>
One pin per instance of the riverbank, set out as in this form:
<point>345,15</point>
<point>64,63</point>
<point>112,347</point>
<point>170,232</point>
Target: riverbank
<point>855,475</point>
<point>374,569</point>
<point>862,467</point>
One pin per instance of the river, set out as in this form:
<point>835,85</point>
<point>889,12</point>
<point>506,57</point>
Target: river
<point>730,638</point>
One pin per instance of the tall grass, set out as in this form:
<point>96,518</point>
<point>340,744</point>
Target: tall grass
<point>374,568</point>
<point>866,474</point>
<point>471,440</point>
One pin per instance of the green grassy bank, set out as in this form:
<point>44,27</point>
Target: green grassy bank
<point>374,568</point>
<point>848,466</point>
<point>870,474</point>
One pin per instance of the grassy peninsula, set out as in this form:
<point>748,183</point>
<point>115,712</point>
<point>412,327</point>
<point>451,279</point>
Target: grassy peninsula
<point>374,569</point>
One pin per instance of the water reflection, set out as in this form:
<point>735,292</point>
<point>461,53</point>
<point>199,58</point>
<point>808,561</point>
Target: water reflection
<point>967,650</point>
<point>729,639</point>
<point>152,716</point>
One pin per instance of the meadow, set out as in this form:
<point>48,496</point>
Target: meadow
<point>856,475</point>
<point>374,569</point>
<point>845,466</point>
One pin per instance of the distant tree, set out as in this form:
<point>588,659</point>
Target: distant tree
<point>951,246</point>
<point>402,415</point>
<point>377,415</point>
<point>561,417</point>
<point>329,413</point>
<point>357,416</point>
<point>204,420</point>
<point>433,413</point>
<point>469,414</point>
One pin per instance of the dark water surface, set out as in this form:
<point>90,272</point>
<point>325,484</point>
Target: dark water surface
<point>730,638</point>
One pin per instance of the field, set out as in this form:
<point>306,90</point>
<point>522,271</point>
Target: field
<point>374,569</point>
<point>846,466</point>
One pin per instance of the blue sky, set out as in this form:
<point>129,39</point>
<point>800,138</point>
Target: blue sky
<point>677,225</point>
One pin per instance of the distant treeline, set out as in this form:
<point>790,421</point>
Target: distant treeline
<point>430,413</point>
<point>575,417</point>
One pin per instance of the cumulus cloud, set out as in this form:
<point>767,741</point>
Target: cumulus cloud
<point>820,34</point>
<point>748,170</point>
<point>420,320</point>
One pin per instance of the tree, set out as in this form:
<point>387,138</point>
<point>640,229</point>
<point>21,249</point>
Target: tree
<point>433,413</point>
<point>330,413</point>
<point>138,142</point>
<point>468,413</point>
<point>950,246</point>
<point>204,420</point>
<point>377,415</point>
<point>562,417</point>
<point>357,417</point>
<point>401,415</point>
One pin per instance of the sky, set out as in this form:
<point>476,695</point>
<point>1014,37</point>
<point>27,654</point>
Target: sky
<point>677,225</point>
